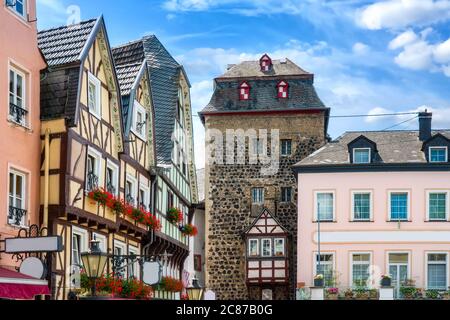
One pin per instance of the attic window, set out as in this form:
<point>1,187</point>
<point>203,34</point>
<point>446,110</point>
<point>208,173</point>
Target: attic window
<point>265,63</point>
<point>361,155</point>
<point>244,91</point>
<point>282,89</point>
<point>438,154</point>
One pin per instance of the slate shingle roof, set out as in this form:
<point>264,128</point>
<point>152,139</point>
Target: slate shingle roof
<point>250,69</point>
<point>63,45</point>
<point>164,73</point>
<point>394,147</point>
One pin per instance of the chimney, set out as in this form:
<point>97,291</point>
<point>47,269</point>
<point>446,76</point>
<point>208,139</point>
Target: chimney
<point>425,125</point>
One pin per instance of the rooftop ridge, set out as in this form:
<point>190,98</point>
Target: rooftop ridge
<point>68,26</point>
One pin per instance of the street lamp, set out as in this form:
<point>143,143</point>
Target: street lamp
<point>94,263</point>
<point>195,292</point>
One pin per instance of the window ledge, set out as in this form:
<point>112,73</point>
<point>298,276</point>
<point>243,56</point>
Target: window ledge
<point>24,127</point>
<point>396,221</point>
<point>15,226</point>
<point>363,221</point>
<point>443,220</point>
<point>20,18</point>
<point>325,221</point>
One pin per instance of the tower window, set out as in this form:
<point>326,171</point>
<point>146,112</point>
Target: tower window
<point>282,89</point>
<point>244,91</point>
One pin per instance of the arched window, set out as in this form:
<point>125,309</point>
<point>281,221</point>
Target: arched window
<point>282,89</point>
<point>244,91</point>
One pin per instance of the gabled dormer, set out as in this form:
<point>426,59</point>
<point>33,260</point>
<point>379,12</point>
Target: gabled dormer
<point>362,150</point>
<point>244,91</point>
<point>266,63</point>
<point>282,89</point>
<point>437,148</point>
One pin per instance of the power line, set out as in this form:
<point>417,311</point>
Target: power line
<point>362,115</point>
<point>400,123</point>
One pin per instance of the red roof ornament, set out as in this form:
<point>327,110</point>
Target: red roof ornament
<point>266,63</point>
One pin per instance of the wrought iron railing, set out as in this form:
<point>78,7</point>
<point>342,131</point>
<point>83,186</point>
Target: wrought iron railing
<point>17,114</point>
<point>110,188</point>
<point>129,198</point>
<point>92,181</point>
<point>16,215</point>
<point>143,206</point>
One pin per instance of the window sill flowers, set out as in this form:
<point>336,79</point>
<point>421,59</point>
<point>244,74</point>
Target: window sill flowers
<point>170,284</point>
<point>174,215</point>
<point>189,230</point>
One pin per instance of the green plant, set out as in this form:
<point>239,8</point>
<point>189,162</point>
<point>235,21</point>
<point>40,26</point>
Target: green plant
<point>432,294</point>
<point>348,294</point>
<point>361,293</point>
<point>408,292</point>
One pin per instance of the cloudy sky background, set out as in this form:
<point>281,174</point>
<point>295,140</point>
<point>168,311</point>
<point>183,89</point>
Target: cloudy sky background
<point>368,57</point>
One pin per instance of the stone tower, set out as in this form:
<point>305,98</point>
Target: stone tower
<point>279,97</point>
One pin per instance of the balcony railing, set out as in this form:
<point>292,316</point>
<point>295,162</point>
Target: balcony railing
<point>110,188</point>
<point>129,198</point>
<point>16,215</point>
<point>92,181</point>
<point>17,114</point>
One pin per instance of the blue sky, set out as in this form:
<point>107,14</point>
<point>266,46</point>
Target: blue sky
<point>367,56</point>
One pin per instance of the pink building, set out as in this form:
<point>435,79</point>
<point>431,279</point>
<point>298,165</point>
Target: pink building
<point>383,202</point>
<point>20,65</point>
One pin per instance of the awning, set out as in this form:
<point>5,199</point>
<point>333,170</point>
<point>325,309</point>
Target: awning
<point>15,285</point>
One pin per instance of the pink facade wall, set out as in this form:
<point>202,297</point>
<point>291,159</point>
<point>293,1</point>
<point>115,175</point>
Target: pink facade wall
<point>20,146</point>
<point>374,237</point>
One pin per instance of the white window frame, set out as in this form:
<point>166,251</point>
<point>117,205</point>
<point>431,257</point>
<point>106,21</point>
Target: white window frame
<point>290,195</point>
<point>323,253</point>
<point>84,242</point>
<point>436,147</point>
<point>97,168</point>
<point>123,247</point>
<point>390,192</point>
<point>146,190</point>
<point>115,169</point>
<point>354,192</point>
<point>24,199</point>
<point>139,108</point>
<point>447,204</point>
<point>262,195</point>
<point>446,264</point>
<point>257,247</point>
<point>24,106</point>
<point>270,247</point>
<point>103,244</point>
<point>362,149</point>
<point>25,10</point>
<point>284,247</point>
<point>283,154</point>
<point>134,187</point>
<point>133,250</point>
<point>97,111</point>
<point>352,253</point>
<point>316,193</point>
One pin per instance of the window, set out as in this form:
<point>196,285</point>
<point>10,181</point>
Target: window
<point>101,241</point>
<point>79,245</point>
<point>19,7</point>
<point>197,262</point>
<point>17,94</point>
<point>257,146</point>
<point>437,271</point>
<point>286,147</point>
<point>119,250</point>
<point>326,268</point>
<point>282,89</point>
<point>92,169</point>
<point>180,111</point>
<point>286,194</point>
<point>17,199</point>
<point>265,63</point>
<point>278,247</point>
<point>360,269</point>
<point>253,247</point>
<point>361,155</point>
<point>170,202</point>
<point>438,154</point>
<point>258,195</point>
<point>362,207</point>
<point>133,267</point>
<point>140,121</point>
<point>130,190</point>
<point>437,206</point>
<point>112,178</point>
<point>399,206</point>
<point>325,206</point>
<point>266,247</point>
<point>94,93</point>
<point>144,197</point>
<point>244,91</point>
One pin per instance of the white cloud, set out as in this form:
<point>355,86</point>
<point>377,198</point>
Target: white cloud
<point>53,13</point>
<point>417,53</point>
<point>394,14</point>
<point>360,48</point>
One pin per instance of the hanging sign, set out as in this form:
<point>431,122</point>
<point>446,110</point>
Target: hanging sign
<point>151,272</point>
<point>33,245</point>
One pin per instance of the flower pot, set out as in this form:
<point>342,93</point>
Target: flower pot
<point>318,282</point>
<point>386,282</point>
<point>333,296</point>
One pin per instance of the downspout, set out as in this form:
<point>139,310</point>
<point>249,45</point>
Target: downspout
<point>46,179</point>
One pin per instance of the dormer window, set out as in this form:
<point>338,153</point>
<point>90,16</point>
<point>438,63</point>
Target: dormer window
<point>265,63</point>
<point>244,91</point>
<point>361,155</point>
<point>438,154</point>
<point>282,89</point>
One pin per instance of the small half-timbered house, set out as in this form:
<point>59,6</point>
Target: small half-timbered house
<point>82,139</point>
<point>267,261</point>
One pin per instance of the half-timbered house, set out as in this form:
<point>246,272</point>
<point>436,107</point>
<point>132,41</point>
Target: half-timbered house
<point>173,167</point>
<point>82,140</point>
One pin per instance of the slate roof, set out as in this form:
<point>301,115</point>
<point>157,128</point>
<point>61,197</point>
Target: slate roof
<point>164,73</point>
<point>63,45</point>
<point>249,69</point>
<point>394,147</point>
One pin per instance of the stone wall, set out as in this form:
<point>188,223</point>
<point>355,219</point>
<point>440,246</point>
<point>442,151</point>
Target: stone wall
<point>228,197</point>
